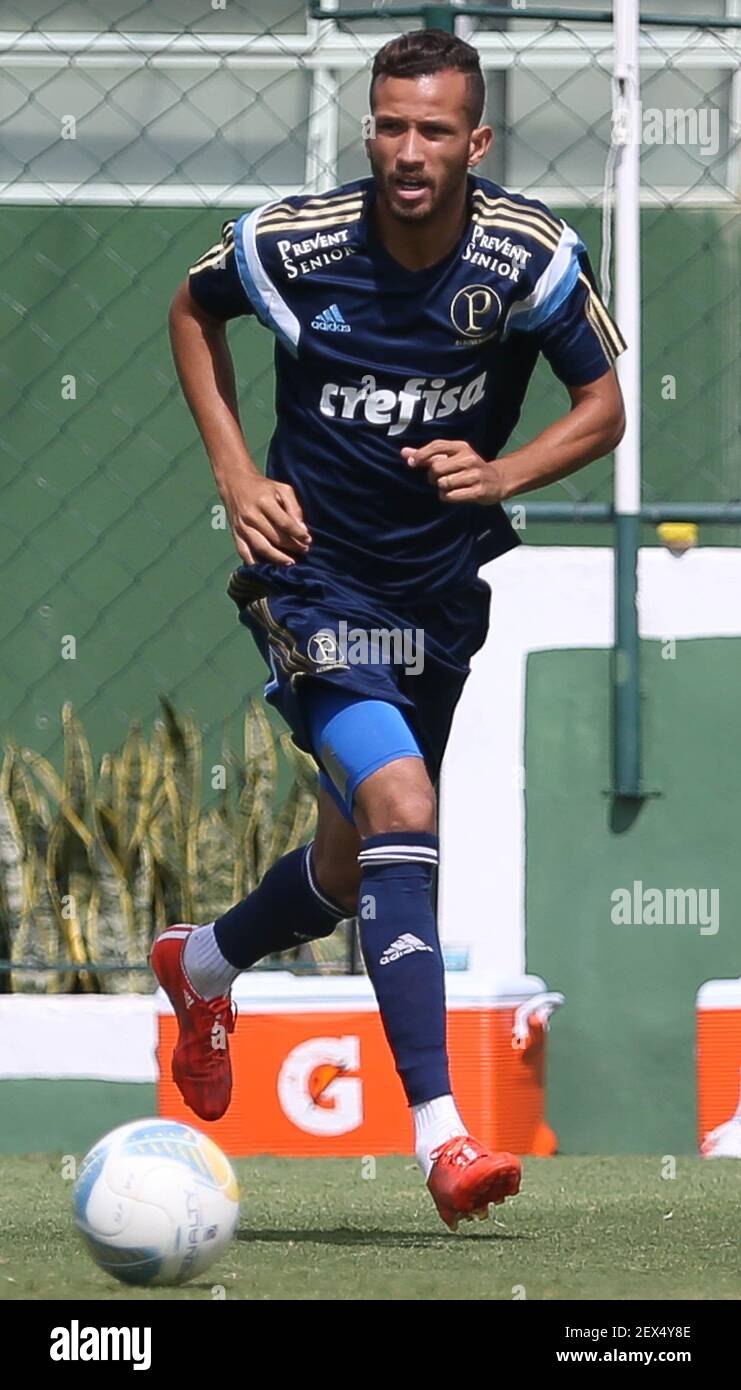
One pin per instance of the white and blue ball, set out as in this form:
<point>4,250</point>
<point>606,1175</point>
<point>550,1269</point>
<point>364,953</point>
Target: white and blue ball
<point>156,1202</point>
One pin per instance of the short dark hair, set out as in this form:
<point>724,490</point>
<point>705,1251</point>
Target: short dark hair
<point>423,52</point>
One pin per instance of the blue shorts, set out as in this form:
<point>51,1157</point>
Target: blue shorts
<point>315,632</point>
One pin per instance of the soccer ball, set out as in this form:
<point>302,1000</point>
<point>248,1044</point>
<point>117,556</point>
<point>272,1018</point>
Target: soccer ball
<point>156,1202</point>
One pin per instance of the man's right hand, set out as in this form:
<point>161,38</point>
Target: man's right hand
<point>265,517</point>
<point>266,522</point>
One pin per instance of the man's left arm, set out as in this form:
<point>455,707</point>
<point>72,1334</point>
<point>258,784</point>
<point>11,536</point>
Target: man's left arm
<point>592,428</point>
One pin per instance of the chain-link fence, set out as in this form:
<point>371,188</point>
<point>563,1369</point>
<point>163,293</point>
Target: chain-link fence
<point>130,134</point>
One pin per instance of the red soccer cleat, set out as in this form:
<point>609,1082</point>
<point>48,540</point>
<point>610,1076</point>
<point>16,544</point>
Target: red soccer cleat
<point>201,1068</point>
<point>466,1177</point>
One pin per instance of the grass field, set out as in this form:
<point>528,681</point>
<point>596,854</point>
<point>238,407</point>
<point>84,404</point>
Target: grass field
<point>582,1228</point>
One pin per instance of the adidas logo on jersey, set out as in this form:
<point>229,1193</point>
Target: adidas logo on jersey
<point>402,946</point>
<point>331,321</point>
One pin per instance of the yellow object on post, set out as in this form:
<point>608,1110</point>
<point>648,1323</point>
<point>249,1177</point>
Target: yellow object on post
<point>678,536</point>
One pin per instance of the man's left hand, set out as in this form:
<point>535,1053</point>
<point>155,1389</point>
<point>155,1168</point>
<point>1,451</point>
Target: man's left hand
<point>458,473</point>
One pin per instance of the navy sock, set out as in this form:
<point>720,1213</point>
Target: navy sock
<point>286,909</point>
<point>401,949</point>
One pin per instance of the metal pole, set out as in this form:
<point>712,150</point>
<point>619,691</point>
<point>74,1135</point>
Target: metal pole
<point>322,135</point>
<point>495,113</point>
<point>652,513</point>
<point>439,17</point>
<point>545,12</point>
<point>626,650</point>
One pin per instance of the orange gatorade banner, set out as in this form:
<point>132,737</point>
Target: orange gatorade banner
<point>321,1081</point>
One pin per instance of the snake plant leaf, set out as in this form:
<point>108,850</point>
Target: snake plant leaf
<point>124,861</point>
<point>216,851</point>
<point>168,897</point>
<point>5,942</point>
<point>284,826</point>
<point>15,880</point>
<point>36,938</point>
<point>78,765</point>
<point>306,821</point>
<point>63,874</point>
<point>55,789</point>
<point>69,877</point>
<point>294,823</point>
<point>109,927</point>
<point>142,893</point>
<point>258,793</point>
<point>302,764</point>
<point>165,831</point>
<point>13,849</point>
<point>130,801</point>
<point>91,873</point>
<point>183,755</point>
<point>183,758</point>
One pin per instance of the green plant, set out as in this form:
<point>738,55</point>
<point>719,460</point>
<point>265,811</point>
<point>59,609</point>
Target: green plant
<point>93,866</point>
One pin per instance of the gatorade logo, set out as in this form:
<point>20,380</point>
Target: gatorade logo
<point>315,1089</point>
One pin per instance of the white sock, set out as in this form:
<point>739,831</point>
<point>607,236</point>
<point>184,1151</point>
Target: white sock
<point>435,1122</point>
<point>209,972</point>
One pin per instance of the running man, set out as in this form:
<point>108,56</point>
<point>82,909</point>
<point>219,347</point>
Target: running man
<point>408,311</point>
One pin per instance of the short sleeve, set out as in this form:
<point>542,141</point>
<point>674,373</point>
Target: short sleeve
<point>580,339</point>
<point>214,281</point>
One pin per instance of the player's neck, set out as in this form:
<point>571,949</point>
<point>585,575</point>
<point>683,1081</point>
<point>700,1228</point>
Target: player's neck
<point>419,246</point>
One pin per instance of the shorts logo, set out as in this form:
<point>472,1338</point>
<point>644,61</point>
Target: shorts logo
<point>475,311</point>
<point>376,646</point>
<point>323,649</point>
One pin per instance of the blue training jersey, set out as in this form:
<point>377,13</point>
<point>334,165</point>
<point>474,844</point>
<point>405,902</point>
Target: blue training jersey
<point>371,357</point>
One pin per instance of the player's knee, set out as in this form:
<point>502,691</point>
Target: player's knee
<point>404,810</point>
<point>338,876</point>
<point>399,797</point>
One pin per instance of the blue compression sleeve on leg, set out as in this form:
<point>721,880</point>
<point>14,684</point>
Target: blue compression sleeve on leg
<point>353,737</point>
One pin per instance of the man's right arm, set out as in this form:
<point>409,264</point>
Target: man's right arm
<point>265,516</point>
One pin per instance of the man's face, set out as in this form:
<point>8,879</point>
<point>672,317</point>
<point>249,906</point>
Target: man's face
<point>423,142</point>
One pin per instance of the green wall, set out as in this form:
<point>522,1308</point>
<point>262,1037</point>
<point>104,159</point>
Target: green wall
<point>621,1068</point>
<point>107,498</point>
<point>68,1116</point>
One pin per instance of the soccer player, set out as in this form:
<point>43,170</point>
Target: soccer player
<point>408,309</point>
